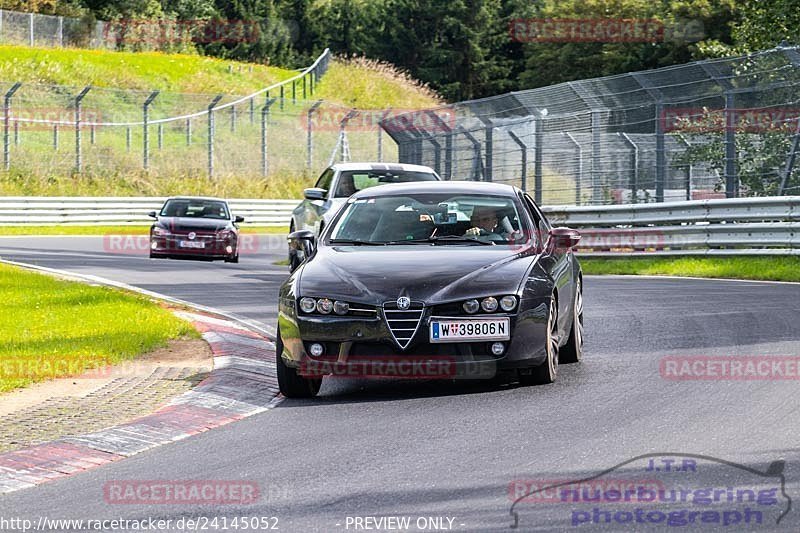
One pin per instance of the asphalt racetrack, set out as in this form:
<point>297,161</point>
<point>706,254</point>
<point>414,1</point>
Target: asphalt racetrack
<point>459,455</point>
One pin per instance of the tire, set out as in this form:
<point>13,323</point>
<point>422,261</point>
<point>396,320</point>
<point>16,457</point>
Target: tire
<point>234,259</point>
<point>572,352</point>
<point>546,372</point>
<point>291,384</point>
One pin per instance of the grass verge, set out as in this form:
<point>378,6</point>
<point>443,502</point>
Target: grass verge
<point>10,231</point>
<point>754,268</point>
<point>53,328</point>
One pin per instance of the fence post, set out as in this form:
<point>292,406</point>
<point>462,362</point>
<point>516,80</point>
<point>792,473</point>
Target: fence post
<point>6,119</point>
<point>264,122</point>
<point>61,32</point>
<point>538,149</point>
<point>160,136</point>
<point>595,121</point>
<point>345,153</point>
<point>211,106</point>
<point>146,129</point>
<point>437,155</point>
<point>579,174</point>
<point>661,155</point>
<point>380,134</point>
<point>477,166</point>
<point>92,129</point>
<point>252,110</point>
<point>731,178</point>
<point>688,168</point>
<point>787,173</point>
<point>294,92</point>
<point>188,132</point>
<point>524,160</point>
<point>634,180</point>
<point>128,138</point>
<point>281,102</point>
<point>233,119</point>
<point>55,137</point>
<point>309,130</point>
<point>304,86</point>
<point>30,29</point>
<point>489,140</point>
<point>78,100</point>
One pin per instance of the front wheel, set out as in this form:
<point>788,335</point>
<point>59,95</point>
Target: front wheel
<point>548,370</point>
<point>292,384</point>
<point>572,352</point>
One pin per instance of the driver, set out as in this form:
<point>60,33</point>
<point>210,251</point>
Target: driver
<point>484,224</point>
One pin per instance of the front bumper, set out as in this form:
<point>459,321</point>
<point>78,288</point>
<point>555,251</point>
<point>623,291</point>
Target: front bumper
<point>213,247</point>
<point>361,346</point>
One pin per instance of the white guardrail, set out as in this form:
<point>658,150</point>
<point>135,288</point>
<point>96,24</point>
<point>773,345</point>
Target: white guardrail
<point>123,211</point>
<point>741,226</point>
<point>744,226</point>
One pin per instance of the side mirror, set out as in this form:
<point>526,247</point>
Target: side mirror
<point>301,246</point>
<point>564,239</point>
<point>238,219</point>
<point>152,214</point>
<point>314,193</point>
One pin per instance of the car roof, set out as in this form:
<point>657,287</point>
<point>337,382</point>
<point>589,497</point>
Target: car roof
<point>447,187</point>
<point>196,198</point>
<point>366,165</point>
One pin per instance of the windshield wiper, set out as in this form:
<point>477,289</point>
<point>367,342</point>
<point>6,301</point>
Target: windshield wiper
<point>458,239</point>
<point>443,239</point>
<point>354,242</point>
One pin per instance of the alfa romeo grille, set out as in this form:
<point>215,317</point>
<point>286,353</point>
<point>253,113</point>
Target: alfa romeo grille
<point>403,324</point>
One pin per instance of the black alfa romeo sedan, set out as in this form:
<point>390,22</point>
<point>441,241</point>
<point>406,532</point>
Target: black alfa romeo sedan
<point>435,280</point>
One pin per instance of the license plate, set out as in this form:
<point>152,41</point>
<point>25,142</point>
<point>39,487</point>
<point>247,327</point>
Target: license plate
<point>191,244</point>
<point>445,330</point>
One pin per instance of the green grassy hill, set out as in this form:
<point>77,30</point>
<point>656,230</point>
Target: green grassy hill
<point>43,159</point>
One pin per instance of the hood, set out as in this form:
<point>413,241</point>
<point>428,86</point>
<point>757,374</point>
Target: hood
<point>192,224</point>
<point>433,274</point>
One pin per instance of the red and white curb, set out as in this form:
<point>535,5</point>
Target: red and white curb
<point>243,383</point>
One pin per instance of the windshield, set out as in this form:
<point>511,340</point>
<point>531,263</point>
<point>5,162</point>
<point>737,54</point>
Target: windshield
<point>214,209</point>
<point>453,218</point>
<point>352,181</point>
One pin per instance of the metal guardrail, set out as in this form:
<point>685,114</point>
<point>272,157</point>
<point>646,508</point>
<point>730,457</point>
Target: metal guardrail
<point>746,226</point>
<point>76,211</point>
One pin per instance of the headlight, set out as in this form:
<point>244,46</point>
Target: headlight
<point>307,305</point>
<point>341,308</point>
<point>471,306</point>
<point>224,234</point>
<point>508,303</point>
<point>489,304</point>
<point>160,232</point>
<point>324,306</point>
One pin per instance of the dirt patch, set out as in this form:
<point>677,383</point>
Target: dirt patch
<point>188,355</point>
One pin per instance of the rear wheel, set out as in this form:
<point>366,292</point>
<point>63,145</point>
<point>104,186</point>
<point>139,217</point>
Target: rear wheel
<point>573,350</point>
<point>292,384</point>
<point>548,370</point>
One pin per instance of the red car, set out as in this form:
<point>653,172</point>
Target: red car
<point>201,228</point>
